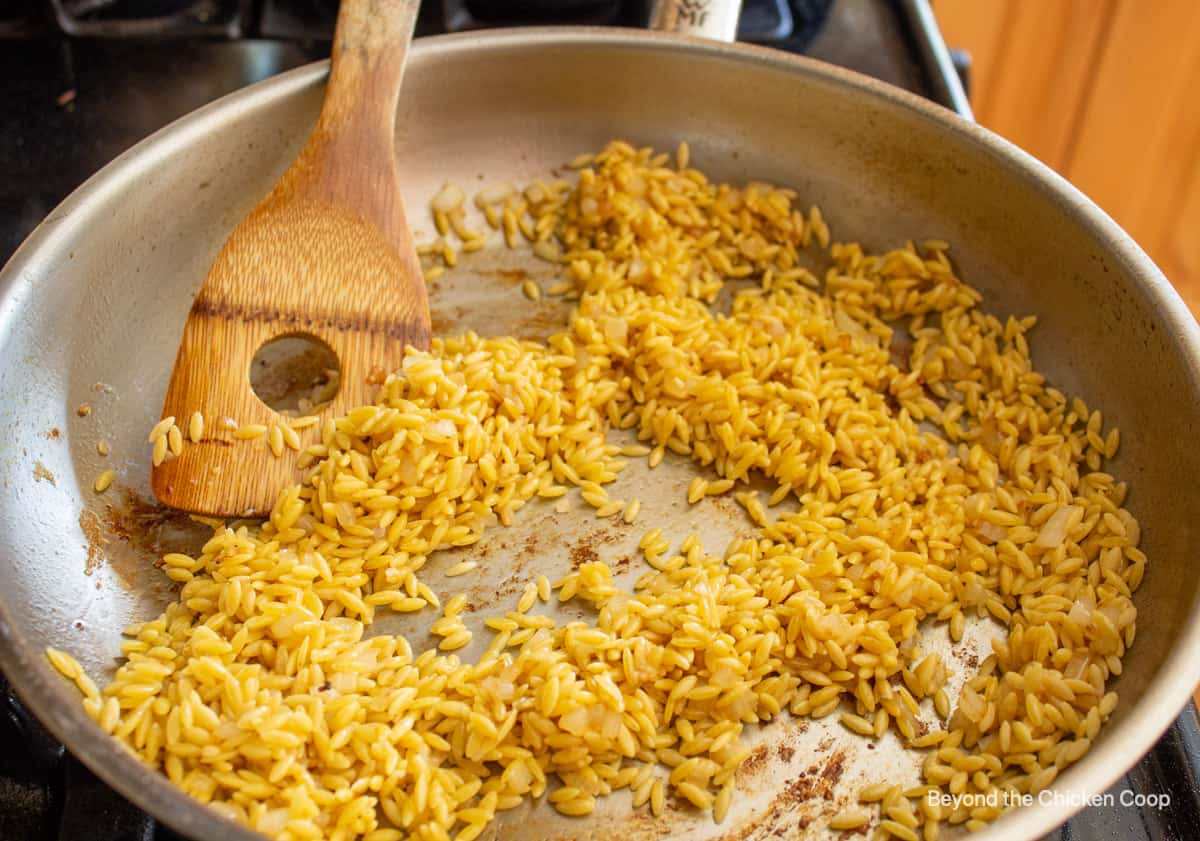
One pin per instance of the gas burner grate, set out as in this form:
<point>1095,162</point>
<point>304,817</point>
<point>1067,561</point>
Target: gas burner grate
<point>151,18</point>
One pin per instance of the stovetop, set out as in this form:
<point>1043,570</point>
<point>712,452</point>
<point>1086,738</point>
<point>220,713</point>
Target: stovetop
<point>83,80</point>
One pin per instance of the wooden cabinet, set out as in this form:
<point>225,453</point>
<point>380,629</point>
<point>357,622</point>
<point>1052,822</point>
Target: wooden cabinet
<point>1108,93</point>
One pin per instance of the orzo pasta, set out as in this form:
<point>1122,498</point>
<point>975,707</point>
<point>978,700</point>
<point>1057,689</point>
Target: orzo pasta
<point>928,479</point>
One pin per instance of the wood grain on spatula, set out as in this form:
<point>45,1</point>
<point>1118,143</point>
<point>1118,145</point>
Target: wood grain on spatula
<point>327,253</point>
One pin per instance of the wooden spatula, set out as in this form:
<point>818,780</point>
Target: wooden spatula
<point>327,254</point>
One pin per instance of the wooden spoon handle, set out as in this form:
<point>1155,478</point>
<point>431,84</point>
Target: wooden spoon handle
<point>369,51</point>
<point>374,25</point>
<point>358,116</point>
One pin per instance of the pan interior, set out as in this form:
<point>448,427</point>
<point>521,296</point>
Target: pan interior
<point>92,312</point>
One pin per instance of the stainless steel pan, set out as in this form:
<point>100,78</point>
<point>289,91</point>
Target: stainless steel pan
<point>99,292</point>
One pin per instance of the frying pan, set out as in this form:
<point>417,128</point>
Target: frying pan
<point>92,304</point>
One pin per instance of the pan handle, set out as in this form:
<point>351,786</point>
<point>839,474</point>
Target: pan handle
<point>716,19</point>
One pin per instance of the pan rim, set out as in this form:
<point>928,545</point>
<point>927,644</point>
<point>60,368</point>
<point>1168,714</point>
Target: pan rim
<point>43,691</point>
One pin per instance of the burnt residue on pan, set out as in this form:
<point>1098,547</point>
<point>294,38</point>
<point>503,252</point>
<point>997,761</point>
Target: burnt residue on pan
<point>517,558</point>
<point>130,536</point>
<point>548,316</point>
<point>754,762</point>
<point>89,523</point>
<point>900,350</point>
<point>530,546</point>
<point>444,322</point>
<point>152,529</point>
<point>583,551</point>
<point>804,798</point>
<point>587,548</point>
<point>42,474</point>
<point>513,277</point>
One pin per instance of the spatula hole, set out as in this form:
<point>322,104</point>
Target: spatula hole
<point>295,374</point>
